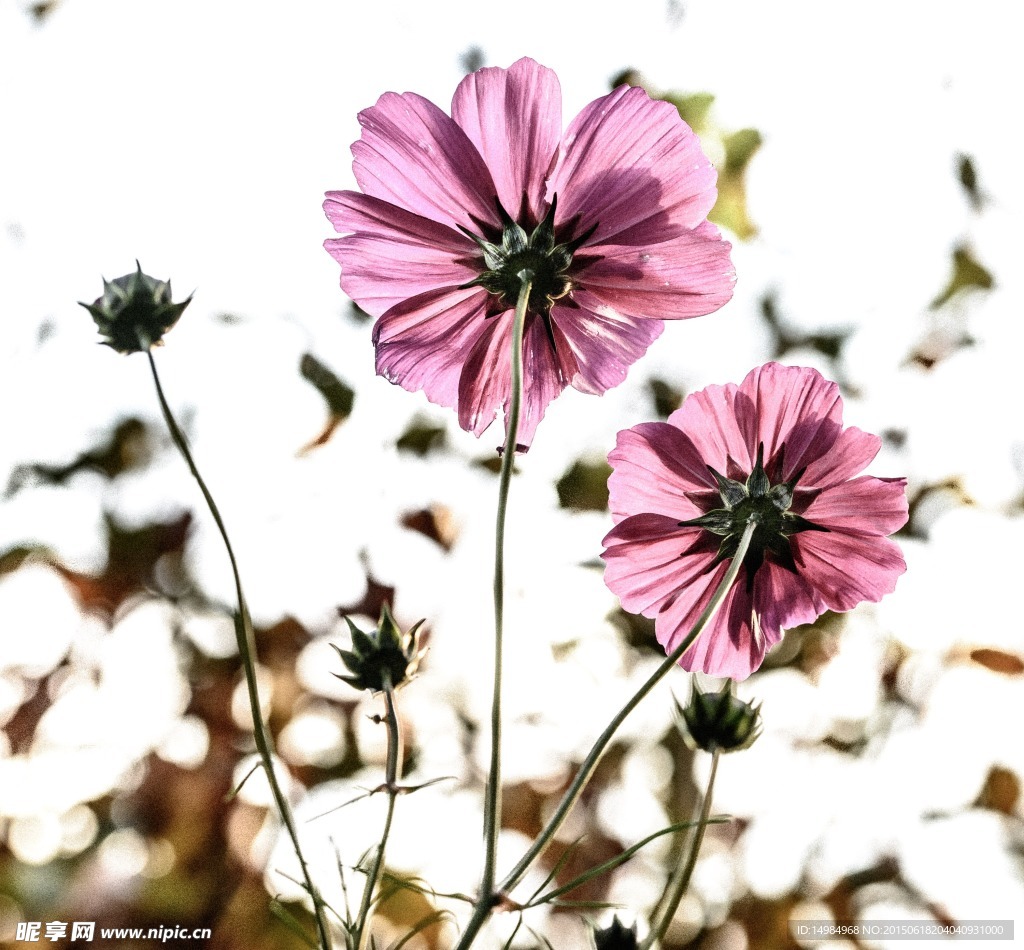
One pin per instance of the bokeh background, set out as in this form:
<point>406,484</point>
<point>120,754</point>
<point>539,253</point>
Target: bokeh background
<point>871,183</point>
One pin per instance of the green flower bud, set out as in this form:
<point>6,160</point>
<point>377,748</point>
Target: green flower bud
<point>719,721</point>
<point>384,658</point>
<point>617,936</point>
<point>135,311</point>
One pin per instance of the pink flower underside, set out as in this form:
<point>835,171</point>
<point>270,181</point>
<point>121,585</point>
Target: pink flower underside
<point>652,257</point>
<point>661,570</point>
<point>441,343</point>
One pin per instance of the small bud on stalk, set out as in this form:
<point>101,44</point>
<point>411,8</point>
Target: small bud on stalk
<point>617,936</point>
<point>384,658</point>
<point>135,311</point>
<point>719,721</point>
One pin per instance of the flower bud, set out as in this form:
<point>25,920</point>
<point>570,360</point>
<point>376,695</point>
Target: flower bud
<point>382,659</point>
<point>135,311</point>
<point>719,721</point>
<point>617,936</point>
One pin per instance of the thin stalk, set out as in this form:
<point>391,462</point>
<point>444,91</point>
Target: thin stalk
<point>393,771</point>
<point>247,650</point>
<point>482,909</point>
<point>680,879</point>
<point>492,799</point>
<point>492,795</point>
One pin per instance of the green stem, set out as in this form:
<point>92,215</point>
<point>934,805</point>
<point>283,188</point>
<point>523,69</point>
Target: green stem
<point>482,909</point>
<point>492,799</point>
<point>392,774</point>
<point>590,763</point>
<point>492,796</point>
<point>247,650</point>
<point>680,879</point>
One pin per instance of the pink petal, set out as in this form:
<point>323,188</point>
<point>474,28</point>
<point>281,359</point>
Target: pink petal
<point>486,384</point>
<point>794,405</point>
<point>514,118</point>
<point>393,254</point>
<point>422,342</point>
<point>731,645</point>
<point>649,558</point>
<point>687,276</point>
<point>708,417</point>
<point>655,467</point>
<point>604,343</point>
<point>414,156</point>
<point>850,454</point>
<point>784,600</point>
<point>865,506</point>
<point>626,158</point>
<point>847,569</point>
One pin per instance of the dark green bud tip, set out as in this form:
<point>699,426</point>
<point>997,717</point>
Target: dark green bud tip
<point>382,659</point>
<point>135,311</point>
<point>617,936</point>
<point>719,721</point>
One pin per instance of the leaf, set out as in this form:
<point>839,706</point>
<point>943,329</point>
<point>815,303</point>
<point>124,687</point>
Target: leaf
<point>584,487</point>
<point>613,863</point>
<point>421,438</point>
<point>730,209</point>
<point>667,399</point>
<point>339,396</point>
<point>967,273</point>
<point>999,661</point>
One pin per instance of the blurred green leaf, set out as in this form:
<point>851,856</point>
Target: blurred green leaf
<point>967,272</point>
<point>584,487</point>
<point>340,396</point>
<point>421,438</point>
<point>694,108</point>
<point>730,210</point>
<point>667,399</point>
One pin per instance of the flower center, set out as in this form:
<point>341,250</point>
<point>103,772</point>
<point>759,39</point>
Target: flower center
<point>767,506</point>
<point>536,257</point>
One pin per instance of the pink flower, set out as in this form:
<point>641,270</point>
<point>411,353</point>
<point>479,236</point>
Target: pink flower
<point>610,217</point>
<point>682,491</point>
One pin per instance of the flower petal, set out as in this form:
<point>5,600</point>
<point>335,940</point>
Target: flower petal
<point>733,643</point>
<point>649,558</point>
<point>708,417</point>
<point>514,118</point>
<point>486,383</point>
<point>784,599</point>
<point>850,454</point>
<point>626,158</point>
<point>847,569</point>
<point>414,156</point>
<point>655,467</point>
<point>687,276</point>
<point>421,342</point>
<point>866,506</point>
<point>791,405</point>
<point>392,253</point>
<point>605,343</point>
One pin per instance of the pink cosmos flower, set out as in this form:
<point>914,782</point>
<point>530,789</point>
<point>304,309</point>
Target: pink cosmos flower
<point>610,217</point>
<point>682,491</point>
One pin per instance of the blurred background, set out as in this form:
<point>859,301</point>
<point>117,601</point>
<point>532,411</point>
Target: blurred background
<point>870,183</point>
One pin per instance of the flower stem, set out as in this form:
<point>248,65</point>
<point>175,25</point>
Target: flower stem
<point>589,765</point>
<point>492,796</point>
<point>393,771</point>
<point>492,799</point>
<point>680,879</point>
<point>247,651</point>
